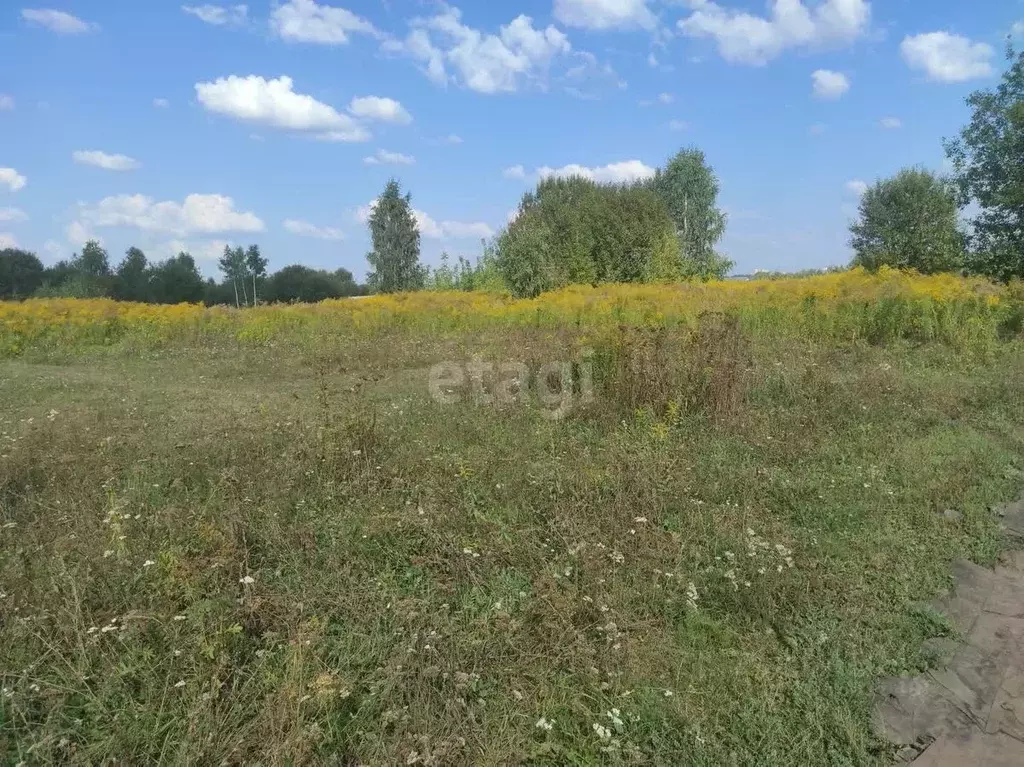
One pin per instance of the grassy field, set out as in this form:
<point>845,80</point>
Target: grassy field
<point>255,538</point>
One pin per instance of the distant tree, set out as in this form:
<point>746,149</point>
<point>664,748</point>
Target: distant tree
<point>232,264</point>
<point>86,275</point>
<point>347,285</point>
<point>300,283</point>
<point>93,261</point>
<point>256,264</point>
<point>689,187</point>
<point>988,163</point>
<point>395,259</point>
<point>908,221</point>
<point>21,273</point>
<point>177,280</point>
<point>131,281</point>
<point>575,231</point>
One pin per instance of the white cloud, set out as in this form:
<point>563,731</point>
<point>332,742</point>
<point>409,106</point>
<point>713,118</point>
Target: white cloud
<point>829,85</point>
<point>665,98</point>
<point>891,123</point>
<point>305,229</point>
<point>274,103</point>
<point>384,157</point>
<point>13,215</point>
<point>381,109</point>
<point>78,234</point>
<point>678,125</point>
<point>12,179</point>
<point>947,58</point>
<point>459,230</point>
<point>652,60</point>
<point>605,14</point>
<point>451,138</point>
<point>856,187</point>
<point>198,214</point>
<point>58,21</point>
<point>1017,30</point>
<point>161,103</point>
<point>7,240</point>
<point>485,63</point>
<point>304,21</point>
<point>615,173</point>
<point>207,251</point>
<point>515,172</point>
<point>6,102</point>
<point>219,15</point>
<point>748,39</point>
<point>435,230</point>
<point>106,161</point>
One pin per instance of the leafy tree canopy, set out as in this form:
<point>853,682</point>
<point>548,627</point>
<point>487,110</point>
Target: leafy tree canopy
<point>908,221</point>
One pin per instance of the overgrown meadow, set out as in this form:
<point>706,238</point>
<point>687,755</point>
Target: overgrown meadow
<point>258,536</point>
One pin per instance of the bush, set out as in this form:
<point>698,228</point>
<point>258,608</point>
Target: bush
<point>574,231</point>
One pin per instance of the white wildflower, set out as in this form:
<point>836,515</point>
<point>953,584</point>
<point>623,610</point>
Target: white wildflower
<point>247,580</point>
<point>148,563</point>
<point>616,718</point>
<point>545,724</point>
<point>602,732</point>
<point>179,684</point>
<point>691,595</point>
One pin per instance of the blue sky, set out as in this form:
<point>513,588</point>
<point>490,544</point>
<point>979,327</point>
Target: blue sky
<point>173,126</point>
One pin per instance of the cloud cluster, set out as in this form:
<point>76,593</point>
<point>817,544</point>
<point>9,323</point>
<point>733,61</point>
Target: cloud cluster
<point>306,229</point>
<point>605,14</point>
<point>947,58</point>
<point>276,104</point>
<point>432,229</point>
<point>219,15</point>
<point>12,215</point>
<point>829,85</point>
<point>13,180</point>
<point>6,102</point>
<point>198,214</point>
<point>305,21</point>
<point>449,51</point>
<point>384,157</point>
<point>628,171</point>
<point>745,38</point>
<point>58,21</point>
<point>106,161</point>
<point>380,109</point>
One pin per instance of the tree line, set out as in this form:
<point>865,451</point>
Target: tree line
<point>570,231</point>
<point>916,219</point>
<point>577,231</point>
<point>88,274</point>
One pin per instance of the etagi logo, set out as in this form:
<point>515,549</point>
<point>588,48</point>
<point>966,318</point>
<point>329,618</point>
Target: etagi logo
<point>558,386</point>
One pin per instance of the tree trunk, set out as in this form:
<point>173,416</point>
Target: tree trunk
<point>235,284</point>
<point>254,302</point>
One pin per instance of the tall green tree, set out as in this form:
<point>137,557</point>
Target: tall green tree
<point>21,273</point>
<point>575,231</point>
<point>131,281</point>
<point>177,280</point>
<point>689,187</point>
<point>232,264</point>
<point>300,283</point>
<point>988,163</point>
<point>908,221</point>
<point>257,266</point>
<point>395,259</point>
